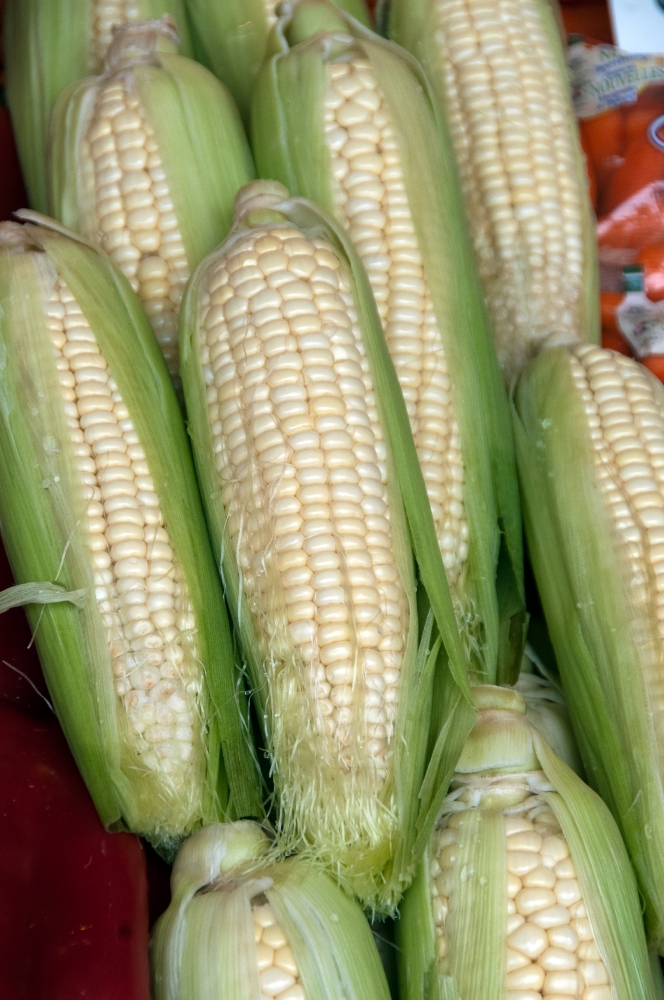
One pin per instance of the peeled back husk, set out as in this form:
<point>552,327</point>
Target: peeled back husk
<point>526,884</point>
<point>145,160</point>
<point>589,427</point>
<point>244,924</point>
<point>232,38</point>
<point>391,125</point>
<point>48,45</point>
<point>149,700</point>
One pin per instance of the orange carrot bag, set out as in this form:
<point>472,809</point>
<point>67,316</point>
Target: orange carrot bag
<point>619,101</point>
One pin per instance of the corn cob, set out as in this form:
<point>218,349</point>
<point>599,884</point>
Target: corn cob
<point>48,45</point>
<point>344,119</point>
<point>295,414</point>
<point>233,38</point>
<point>526,890</point>
<point>590,427</point>
<point>244,925</point>
<point>500,75</point>
<point>122,149</point>
<point>98,494</point>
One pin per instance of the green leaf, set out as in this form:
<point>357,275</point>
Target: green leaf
<point>416,938</point>
<point>39,593</point>
<point>196,121</point>
<point>329,935</point>
<point>233,38</point>
<point>476,922</point>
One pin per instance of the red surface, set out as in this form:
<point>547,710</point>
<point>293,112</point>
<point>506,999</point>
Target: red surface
<point>21,680</point>
<point>73,905</point>
<point>656,365</point>
<point>587,17</point>
<point>12,191</point>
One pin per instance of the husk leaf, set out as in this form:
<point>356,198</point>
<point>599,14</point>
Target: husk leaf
<point>196,121</point>
<point>232,39</point>
<point>39,593</point>
<point>605,875</point>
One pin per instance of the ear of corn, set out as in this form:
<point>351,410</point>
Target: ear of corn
<point>233,39</point>
<point>295,415</point>
<point>346,119</point>
<point>500,76</point>
<point>122,147</point>
<point>98,496</point>
<point>243,925</point>
<point>590,427</point>
<point>48,45</point>
<point>526,889</point>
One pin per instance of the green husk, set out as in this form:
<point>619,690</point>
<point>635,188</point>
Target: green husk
<point>415,25</point>
<point>367,836</point>
<point>44,528</point>
<point>39,593</point>
<point>288,141</point>
<point>232,39</point>
<point>195,122</point>
<point>203,946</point>
<point>604,644</point>
<point>505,743</point>
<point>48,45</point>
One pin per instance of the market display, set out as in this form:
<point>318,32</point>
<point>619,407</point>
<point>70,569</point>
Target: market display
<point>299,331</point>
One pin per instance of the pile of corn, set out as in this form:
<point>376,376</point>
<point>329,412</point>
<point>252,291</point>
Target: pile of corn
<point>265,446</point>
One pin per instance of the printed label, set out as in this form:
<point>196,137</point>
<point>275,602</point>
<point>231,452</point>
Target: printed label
<point>603,77</point>
<point>642,325</point>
